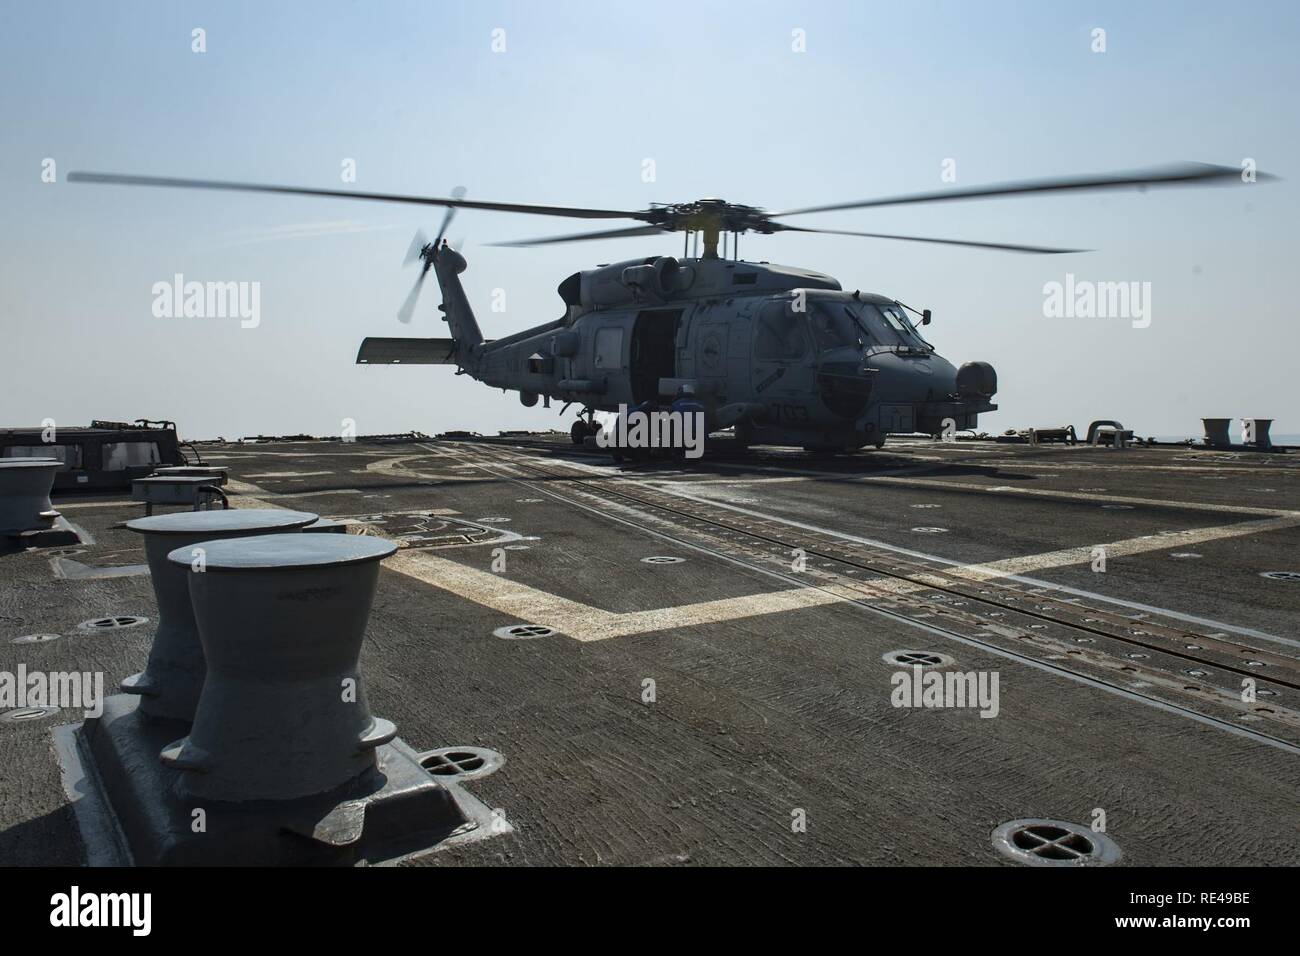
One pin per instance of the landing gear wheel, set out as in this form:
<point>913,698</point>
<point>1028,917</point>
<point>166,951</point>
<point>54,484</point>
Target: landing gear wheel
<point>579,432</point>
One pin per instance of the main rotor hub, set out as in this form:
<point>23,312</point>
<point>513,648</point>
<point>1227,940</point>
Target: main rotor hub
<point>712,217</point>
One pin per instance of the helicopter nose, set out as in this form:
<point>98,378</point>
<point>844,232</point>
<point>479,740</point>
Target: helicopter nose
<point>911,379</point>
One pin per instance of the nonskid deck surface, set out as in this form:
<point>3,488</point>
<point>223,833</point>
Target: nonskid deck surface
<point>699,710</point>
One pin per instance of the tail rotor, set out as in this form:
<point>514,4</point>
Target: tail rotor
<point>420,248</point>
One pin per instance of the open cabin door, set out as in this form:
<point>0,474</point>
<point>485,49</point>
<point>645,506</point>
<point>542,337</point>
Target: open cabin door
<point>654,351</point>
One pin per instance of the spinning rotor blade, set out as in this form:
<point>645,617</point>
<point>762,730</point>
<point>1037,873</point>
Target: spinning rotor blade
<point>457,194</point>
<point>418,242</point>
<point>407,310</point>
<point>1004,247</point>
<point>583,236</point>
<point>572,212</point>
<point>1177,174</point>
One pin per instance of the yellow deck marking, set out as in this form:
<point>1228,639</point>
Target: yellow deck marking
<point>1084,496</point>
<point>583,622</point>
<point>1117,549</point>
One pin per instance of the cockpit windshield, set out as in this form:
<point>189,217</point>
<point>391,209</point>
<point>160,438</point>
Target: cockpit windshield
<point>887,325</point>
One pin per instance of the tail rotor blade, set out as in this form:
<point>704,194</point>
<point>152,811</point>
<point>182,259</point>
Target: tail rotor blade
<point>418,242</point>
<point>458,194</point>
<point>407,310</point>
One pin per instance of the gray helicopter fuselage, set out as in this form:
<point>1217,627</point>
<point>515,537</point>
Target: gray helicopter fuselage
<point>782,354</point>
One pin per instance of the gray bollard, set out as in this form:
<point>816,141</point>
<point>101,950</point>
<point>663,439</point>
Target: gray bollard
<point>1259,427</point>
<point>1216,432</point>
<point>25,485</point>
<point>219,474</point>
<point>326,526</point>
<point>283,713</point>
<point>169,685</point>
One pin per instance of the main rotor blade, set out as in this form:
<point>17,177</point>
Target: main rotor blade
<point>583,236</point>
<point>1177,174</point>
<point>1002,246</point>
<point>572,212</point>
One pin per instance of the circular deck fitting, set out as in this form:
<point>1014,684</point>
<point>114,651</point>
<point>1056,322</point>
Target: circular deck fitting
<point>464,763</point>
<point>662,559</point>
<point>1281,575</point>
<point>930,530</point>
<point>907,658</point>
<point>118,622</point>
<point>25,485</point>
<point>225,521</point>
<point>523,632</point>
<point>287,552</point>
<point>35,639</point>
<point>1054,843</point>
<point>62,552</point>
<point>282,713</point>
<point>170,684</point>
<point>25,714</point>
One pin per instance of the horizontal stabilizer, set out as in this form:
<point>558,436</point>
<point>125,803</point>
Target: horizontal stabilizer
<point>385,351</point>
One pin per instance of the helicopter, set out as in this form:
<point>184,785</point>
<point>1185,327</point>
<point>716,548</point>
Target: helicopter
<point>780,355</point>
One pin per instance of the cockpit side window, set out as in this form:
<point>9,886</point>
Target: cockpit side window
<point>778,337</point>
<point>833,327</point>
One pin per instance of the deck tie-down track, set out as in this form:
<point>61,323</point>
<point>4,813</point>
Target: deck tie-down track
<point>1037,623</point>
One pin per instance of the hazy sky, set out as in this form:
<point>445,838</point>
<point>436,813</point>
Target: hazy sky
<point>582,95</point>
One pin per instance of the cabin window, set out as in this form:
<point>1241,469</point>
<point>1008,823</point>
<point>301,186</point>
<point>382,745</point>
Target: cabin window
<point>121,455</point>
<point>70,455</point>
<point>609,349</point>
<point>779,337</point>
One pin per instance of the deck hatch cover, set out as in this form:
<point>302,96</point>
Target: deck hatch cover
<point>1054,843</point>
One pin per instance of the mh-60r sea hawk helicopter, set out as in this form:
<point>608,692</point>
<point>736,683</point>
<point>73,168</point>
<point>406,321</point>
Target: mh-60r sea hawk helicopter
<point>781,354</point>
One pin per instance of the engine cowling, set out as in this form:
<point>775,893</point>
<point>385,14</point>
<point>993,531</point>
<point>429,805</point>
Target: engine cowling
<point>625,283</point>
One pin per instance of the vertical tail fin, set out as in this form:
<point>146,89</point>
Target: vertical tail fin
<point>448,264</point>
